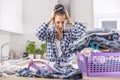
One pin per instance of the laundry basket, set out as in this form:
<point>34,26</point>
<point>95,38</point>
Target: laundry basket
<point>99,64</point>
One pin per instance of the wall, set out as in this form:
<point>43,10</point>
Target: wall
<point>106,6</point>
<point>109,11</point>
<point>35,13</point>
<point>81,10</point>
<point>11,15</point>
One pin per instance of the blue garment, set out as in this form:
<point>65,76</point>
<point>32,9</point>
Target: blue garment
<point>72,74</point>
<point>69,35</point>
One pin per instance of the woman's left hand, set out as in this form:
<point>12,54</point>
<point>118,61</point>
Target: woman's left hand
<point>66,14</point>
<point>68,17</point>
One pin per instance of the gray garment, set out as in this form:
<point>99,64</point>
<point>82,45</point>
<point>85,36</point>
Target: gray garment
<point>105,38</point>
<point>111,45</point>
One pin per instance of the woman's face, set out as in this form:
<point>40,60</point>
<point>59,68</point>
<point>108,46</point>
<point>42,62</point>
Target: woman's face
<point>59,23</point>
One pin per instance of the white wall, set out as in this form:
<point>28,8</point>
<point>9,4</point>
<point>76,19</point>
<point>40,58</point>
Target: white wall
<point>35,13</point>
<point>81,10</point>
<point>106,10</point>
<point>106,6</point>
<point>11,15</point>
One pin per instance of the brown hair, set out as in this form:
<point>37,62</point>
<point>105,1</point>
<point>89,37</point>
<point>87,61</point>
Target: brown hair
<point>59,9</point>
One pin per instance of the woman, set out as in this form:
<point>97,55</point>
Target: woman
<point>58,38</point>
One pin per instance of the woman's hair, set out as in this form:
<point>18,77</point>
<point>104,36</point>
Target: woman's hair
<point>59,9</point>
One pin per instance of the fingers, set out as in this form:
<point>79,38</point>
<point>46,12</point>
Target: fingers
<point>66,13</point>
<point>53,14</point>
<point>68,17</point>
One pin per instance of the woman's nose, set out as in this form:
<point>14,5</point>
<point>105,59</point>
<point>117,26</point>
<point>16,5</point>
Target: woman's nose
<point>60,25</point>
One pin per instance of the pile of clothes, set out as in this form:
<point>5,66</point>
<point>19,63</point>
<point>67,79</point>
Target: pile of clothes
<point>70,74</point>
<point>98,38</point>
<point>6,69</point>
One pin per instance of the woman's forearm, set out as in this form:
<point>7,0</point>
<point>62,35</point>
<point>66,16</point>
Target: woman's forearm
<point>49,21</point>
<point>71,20</point>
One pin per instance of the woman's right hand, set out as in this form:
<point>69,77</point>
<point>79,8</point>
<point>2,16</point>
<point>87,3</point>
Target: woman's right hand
<point>52,16</point>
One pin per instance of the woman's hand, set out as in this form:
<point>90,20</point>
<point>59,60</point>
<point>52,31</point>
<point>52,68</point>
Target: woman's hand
<point>68,17</point>
<point>66,14</point>
<point>52,16</point>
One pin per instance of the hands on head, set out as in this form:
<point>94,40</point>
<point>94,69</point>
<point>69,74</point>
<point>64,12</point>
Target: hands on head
<point>70,20</point>
<point>52,16</point>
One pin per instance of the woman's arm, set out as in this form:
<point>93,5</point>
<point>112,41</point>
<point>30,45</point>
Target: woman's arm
<point>41,32</point>
<point>52,16</point>
<point>70,20</point>
<point>78,30</point>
